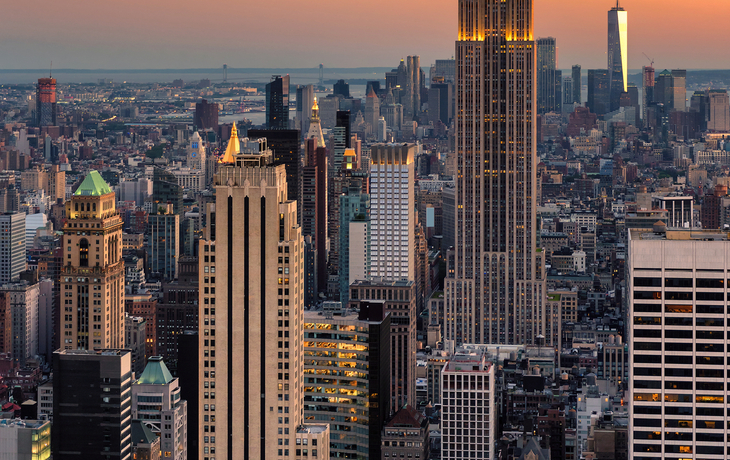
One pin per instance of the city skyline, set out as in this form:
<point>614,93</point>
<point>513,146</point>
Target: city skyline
<point>91,38</point>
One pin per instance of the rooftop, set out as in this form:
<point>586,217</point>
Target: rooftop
<point>155,373</point>
<point>17,423</point>
<point>312,429</point>
<point>93,185</point>
<point>680,234</point>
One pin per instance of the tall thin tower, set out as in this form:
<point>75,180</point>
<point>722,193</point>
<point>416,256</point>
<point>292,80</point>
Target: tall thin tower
<point>497,289</point>
<point>618,60</point>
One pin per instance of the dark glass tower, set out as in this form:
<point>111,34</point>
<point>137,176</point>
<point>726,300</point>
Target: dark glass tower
<point>277,102</point>
<point>598,91</point>
<point>546,78</point>
<point>577,84</point>
<point>617,54</point>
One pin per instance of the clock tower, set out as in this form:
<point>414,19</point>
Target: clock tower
<point>196,153</point>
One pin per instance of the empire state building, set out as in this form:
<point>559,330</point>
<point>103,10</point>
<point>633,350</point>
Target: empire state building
<point>496,290</point>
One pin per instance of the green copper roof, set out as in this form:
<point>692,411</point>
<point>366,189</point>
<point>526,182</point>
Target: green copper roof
<point>155,372</point>
<point>93,185</point>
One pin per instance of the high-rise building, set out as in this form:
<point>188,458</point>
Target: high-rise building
<point>354,238</point>
<point>206,115</point>
<point>26,439</point>
<point>411,90</point>
<point>647,74</point>
<point>342,141</point>
<point>618,59</point>
<point>156,401</point>
<point>196,153</point>
<point>12,246</point>
<point>497,290</point>
<point>314,130</point>
<point>598,100</point>
<point>372,111</point>
<point>366,336</point>
<point>277,102</point>
<point>250,333</point>
<point>286,147</point>
<point>577,84</point>
<point>92,277</point>
<point>392,176</point>
<point>568,92</point>
<point>341,88</point>
<point>135,341</point>
<point>46,102</point>
<point>474,372</point>
<point>21,320</point>
<point>163,244</point>
<point>547,59</point>
<point>718,104</point>
<point>165,189</point>
<point>679,89</point>
<point>95,422</point>
<point>305,101</point>
<point>399,299</point>
<point>444,70</point>
<point>677,311</point>
<point>314,206</point>
<point>664,89</point>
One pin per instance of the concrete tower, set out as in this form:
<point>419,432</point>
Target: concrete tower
<point>497,290</point>
<point>92,279</point>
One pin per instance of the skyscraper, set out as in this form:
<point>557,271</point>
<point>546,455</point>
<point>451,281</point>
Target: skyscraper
<point>393,201</point>
<point>577,84</point>
<point>545,71</point>
<point>677,311</point>
<point>46,102</point>
<point>305,101</point>
<point>354,237</point>
<point>599,95</point>
<point>719,111</point>
<point>95,422</point>
<point>286,146</point>
<point>12,246</point>
<point>647,74</point>
<point>497,291</point>
<point>92,277</point>
<point>250,336</point>
<point>618,49</point>
<point>277,102</point>
<point>679,89</point>
<point>206,115</point>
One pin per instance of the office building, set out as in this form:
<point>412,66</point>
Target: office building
<point>341,88</point>
<point>408,424</point>
<point>547,60</point>
<point>354,238</point>
<point>163,243</point>
<point>98,419</point>
<point>664,89</point>
<point>496,292</point>
<point>718,119</point>
<point>363,338</point>
<point>676,294</point>
<point>177,311</point>
<point>314,129</point>
<point>25,439</point>
<point>156,402</point>
<point>335,182</point>
<point>20,318</point>
<point>305,102</point>
<point>679,89</point>
<point>206,116</point>
<point>598,100</point>
<point>92,277</point>
<point>250,348</point>
<point>393,202</point>
<point>411,88</point>
<point>314,205</point>
<point>286,148</point>
<point>647,78</point>
<point>145,444</point>
<point>277,103</point>
<point>475,373</point>
<point>135,332</point>
<point>12,247</point>
<point>444,70</point>
<point>372,111</point>
<point>196,153</point>
<point>399,299</point>
<point>568,93</point>
<point>46,102</point>
<point>577,84</point>
<point>166,190</point>
<point>440,103</point>
<point>618,60</point>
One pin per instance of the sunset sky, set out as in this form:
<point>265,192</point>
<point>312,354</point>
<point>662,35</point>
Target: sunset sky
<point>287,33</point>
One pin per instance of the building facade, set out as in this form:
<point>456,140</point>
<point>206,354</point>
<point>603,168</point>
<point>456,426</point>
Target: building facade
<point>12,247</point>
<point>618,60</point>
<point>497,291</point>
<point>92,277</point>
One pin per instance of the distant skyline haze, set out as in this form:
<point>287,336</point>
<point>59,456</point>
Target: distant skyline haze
<point>138,34</point>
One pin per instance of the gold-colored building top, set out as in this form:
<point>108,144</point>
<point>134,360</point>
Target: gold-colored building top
<point>234,147</point>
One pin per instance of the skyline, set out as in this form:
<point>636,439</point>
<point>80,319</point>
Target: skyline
<point>89,37</point>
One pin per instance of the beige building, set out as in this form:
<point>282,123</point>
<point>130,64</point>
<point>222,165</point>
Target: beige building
<point>251,327</point>
<point>92,277</point>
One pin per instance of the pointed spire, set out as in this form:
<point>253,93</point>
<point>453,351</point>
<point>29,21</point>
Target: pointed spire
<point>234,147</point>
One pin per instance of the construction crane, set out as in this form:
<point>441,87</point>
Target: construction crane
<point>652,60</point>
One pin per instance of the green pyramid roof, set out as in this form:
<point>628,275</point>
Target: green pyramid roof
<point>141,434</point>
<point>155,372</point>
<point>93,185</point>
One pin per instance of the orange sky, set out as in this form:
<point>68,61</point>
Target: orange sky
<point>289,33</point>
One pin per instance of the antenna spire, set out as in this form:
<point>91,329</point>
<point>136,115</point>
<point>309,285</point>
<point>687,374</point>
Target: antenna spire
<point>50,74</point>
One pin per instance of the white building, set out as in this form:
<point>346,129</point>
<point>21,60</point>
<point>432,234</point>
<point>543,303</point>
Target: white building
<point>392,212</point>
<point>32,223</point>
<point>590,402</point>
<point>25,439</point>
<point>45,401</point>
<point>677,295</point>
<point>156,402</point>
<point>467,401</point>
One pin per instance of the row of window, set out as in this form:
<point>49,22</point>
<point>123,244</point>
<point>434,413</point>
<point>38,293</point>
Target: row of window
<point>679,295</point>
<point>712,283</point>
